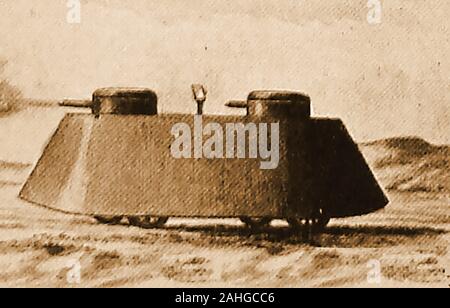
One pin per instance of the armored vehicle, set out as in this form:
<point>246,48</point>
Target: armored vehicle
<point>117,163</point>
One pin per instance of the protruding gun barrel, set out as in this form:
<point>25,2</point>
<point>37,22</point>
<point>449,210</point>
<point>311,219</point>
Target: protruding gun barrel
<point>237,104</point>
<point>76,103</point>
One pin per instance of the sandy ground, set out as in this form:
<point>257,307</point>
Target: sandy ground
<point>38,247</point>
<point>409,240</point>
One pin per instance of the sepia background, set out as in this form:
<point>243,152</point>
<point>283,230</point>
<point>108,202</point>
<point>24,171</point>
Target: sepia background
<point>389,82</point>
<point>385,80</point>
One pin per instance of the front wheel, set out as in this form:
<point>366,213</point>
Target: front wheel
<point>147,222</point>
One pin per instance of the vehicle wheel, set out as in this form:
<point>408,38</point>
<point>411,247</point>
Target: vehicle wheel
<point>320,223</point>
<point>316,225</point>
<point>256,223</point>
<point>147,222</point>
<point>109,220</point>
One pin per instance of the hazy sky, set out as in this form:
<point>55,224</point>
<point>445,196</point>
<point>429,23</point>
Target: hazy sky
<point>383,80</point>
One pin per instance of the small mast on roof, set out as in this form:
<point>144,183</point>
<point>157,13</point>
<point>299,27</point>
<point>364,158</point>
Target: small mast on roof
<point>199,91</point>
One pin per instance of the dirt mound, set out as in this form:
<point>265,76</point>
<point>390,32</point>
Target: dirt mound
<point>410,164</point>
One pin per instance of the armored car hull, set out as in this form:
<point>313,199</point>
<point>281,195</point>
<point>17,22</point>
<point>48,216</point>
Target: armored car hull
<point>117,162</point>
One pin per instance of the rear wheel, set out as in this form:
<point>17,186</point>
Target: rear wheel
<point>316,224</point>
<point>256,223</point>
<point>147,222</point>
<point>109,220</point>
